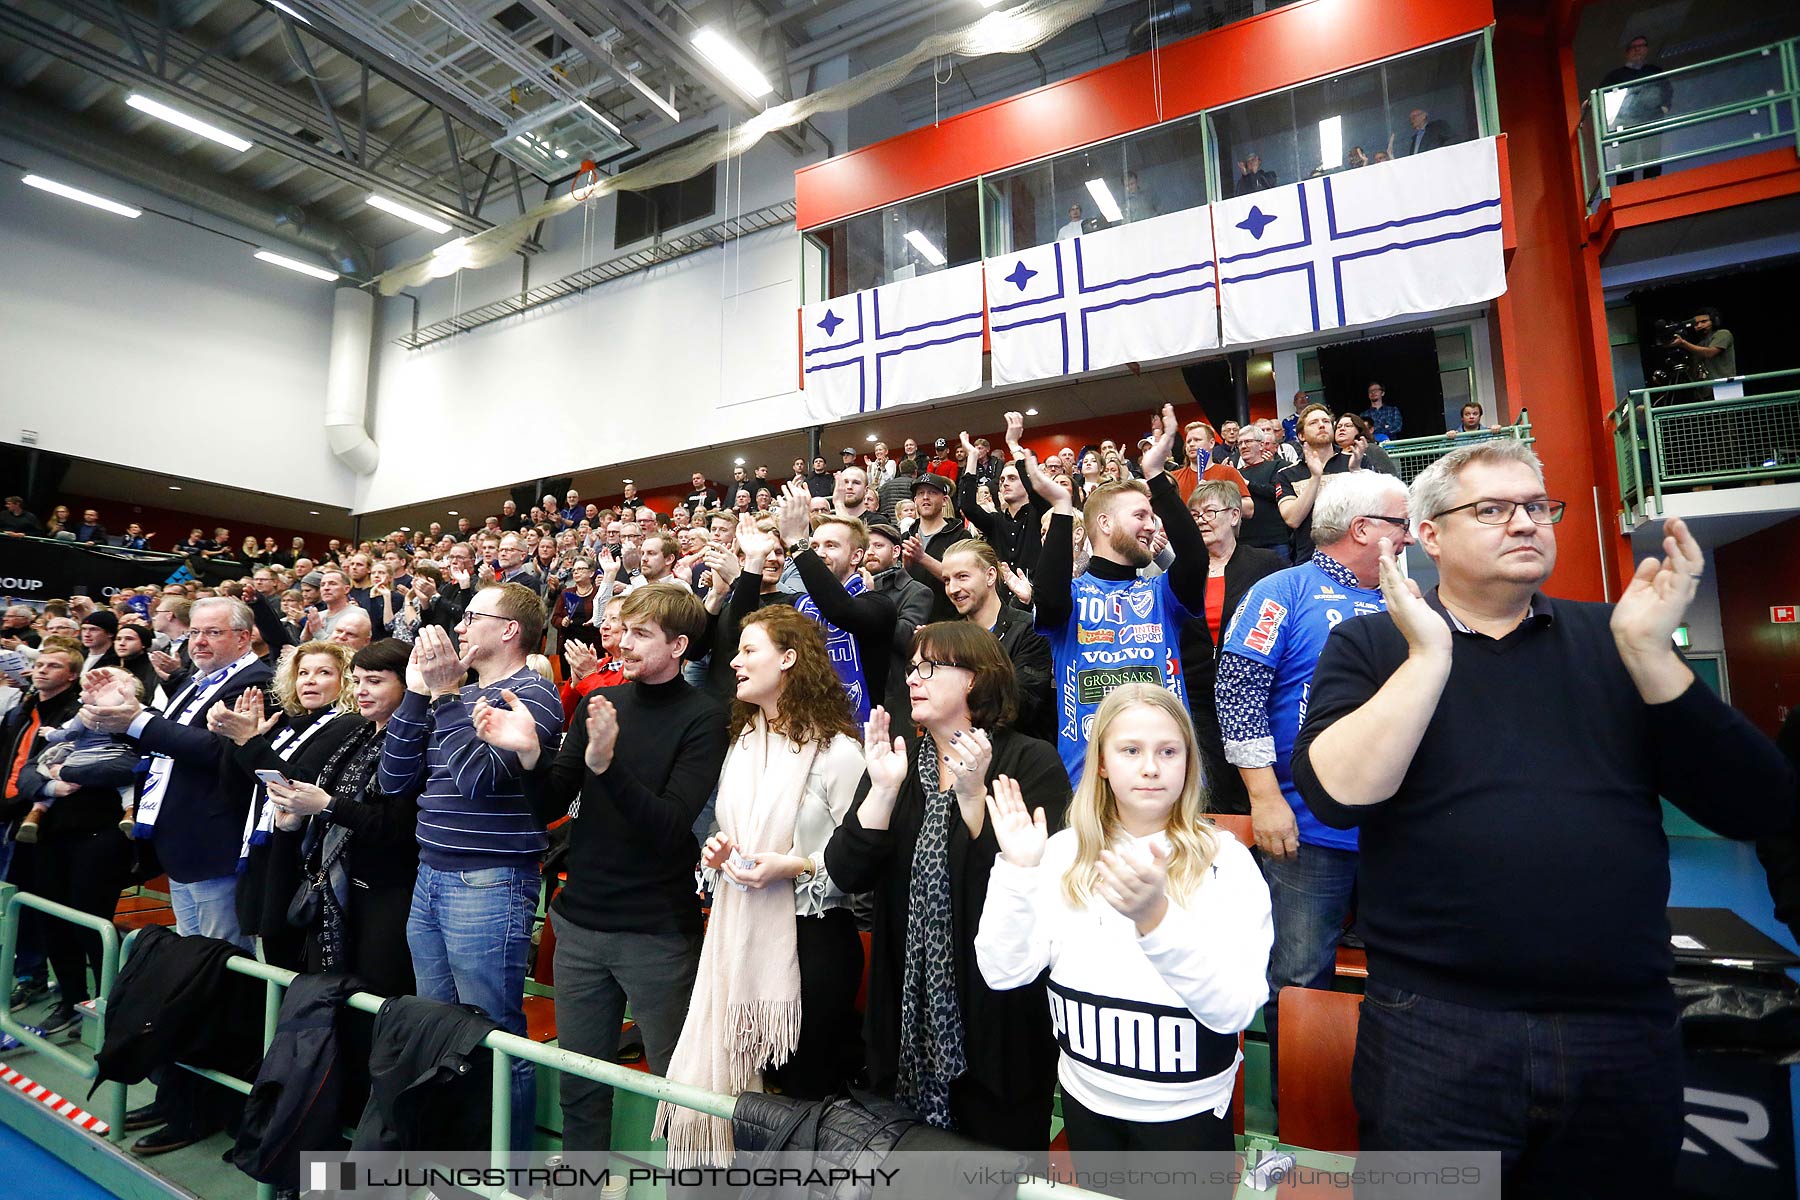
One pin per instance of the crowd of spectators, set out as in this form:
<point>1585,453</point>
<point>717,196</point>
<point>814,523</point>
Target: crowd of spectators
<point>975,702</point>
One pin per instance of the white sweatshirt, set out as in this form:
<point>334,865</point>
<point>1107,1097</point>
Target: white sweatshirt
<point>1140,1019</point>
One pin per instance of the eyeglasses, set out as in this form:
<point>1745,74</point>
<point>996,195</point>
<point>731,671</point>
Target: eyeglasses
<point>1402,522</point>
<point>1211,514</point>
<point>925,668</point>
<point>1500,512</point>
<point>210,634</point>
<point>470,616</point>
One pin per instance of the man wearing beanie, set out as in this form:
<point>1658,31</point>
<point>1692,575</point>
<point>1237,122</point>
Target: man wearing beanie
<point>97,631</point>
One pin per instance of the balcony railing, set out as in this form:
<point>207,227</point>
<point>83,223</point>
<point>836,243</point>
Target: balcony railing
<point>1412,455</point>
<point>1724,107</point>
<point>1683,436</point>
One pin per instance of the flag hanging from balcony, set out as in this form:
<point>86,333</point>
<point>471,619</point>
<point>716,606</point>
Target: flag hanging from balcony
<point>1131,293</point>
<point>919,339</point>
<point>1417,235</point>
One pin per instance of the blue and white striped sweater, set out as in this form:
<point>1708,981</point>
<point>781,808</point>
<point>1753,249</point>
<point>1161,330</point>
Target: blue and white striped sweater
<point>472,810</point>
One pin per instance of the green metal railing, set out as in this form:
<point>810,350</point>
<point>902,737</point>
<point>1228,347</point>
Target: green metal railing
<point>1682,436</point>
<point>113,1106</point>
<point>1770,89</point>
<point>1413,455</point>
<point>504,1046</point>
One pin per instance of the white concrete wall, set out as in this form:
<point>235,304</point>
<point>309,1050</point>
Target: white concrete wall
<point>218,359</point>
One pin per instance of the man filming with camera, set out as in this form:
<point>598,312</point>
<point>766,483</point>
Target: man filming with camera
<point>1714,352</point>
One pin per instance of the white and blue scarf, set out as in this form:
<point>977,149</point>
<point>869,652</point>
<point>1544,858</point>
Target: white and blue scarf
<point>259,823</point>
<point>186,704</point>
<point>846,660</point>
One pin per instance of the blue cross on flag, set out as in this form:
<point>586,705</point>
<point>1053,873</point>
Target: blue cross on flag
<point>919,339</point>
<point>1131,293</point>
<point>181,575</point>
<point>1420,234</point>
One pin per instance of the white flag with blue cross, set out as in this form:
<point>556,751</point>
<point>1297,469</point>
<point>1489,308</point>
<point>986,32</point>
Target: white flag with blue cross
<point>1417,235</point>
<point>902,343</point>
<point>1131,293</point>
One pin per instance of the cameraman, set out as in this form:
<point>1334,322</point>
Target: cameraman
<point>1715,353</point>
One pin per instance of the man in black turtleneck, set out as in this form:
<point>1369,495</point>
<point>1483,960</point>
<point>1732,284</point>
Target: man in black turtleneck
<point>633,773</point>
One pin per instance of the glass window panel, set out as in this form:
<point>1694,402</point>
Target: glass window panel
<point>914,237</point>
<point>1147,174</point>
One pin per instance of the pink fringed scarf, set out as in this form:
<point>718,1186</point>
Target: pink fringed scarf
<point>745,1014</point>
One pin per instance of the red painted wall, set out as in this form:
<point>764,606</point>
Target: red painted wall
<point>1549,326</point>
<point>1290,45</point>
<point>1762,659</point>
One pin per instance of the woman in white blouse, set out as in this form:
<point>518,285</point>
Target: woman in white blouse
<point>779,969</point>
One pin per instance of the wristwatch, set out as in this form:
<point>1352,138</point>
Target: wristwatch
<point>796,547</point>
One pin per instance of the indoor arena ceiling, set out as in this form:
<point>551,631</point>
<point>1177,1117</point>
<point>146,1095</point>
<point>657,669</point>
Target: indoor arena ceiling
<point>445,105</point>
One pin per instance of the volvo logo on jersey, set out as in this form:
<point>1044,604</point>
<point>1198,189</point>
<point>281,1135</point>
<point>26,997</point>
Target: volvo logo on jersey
<point>1162,1043</point>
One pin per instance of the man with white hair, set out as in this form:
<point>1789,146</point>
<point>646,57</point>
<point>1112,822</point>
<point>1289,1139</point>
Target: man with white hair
<point>1266,662</point>
<point>192,803</point>
<point>1502,752</point>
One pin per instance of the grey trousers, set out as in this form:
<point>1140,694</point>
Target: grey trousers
<point>596,973</point>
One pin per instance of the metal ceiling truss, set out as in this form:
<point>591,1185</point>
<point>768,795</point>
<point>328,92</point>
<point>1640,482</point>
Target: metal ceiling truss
<point>159,60</point>
<point>680,246</point>
<point>541,116</point>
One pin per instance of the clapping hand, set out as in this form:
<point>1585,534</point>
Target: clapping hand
<point>724,564</point>
<point>967,758</point>
<point>1135,887</point>
<point>1157,455</point>
<point>795,517</point>
<point>912,550</point>
<point>1021,832</point>
<point>1017,582</point>
<point>1015,429</point>
<point>507,728</point>
<point>581,659</point>
<point>603,733</point>
<point>754,542</point>
<point>1427,634</point>
<point>242,721</point>
<point>1645,618</point>
<point>441,670</point>
<point>887,765</point>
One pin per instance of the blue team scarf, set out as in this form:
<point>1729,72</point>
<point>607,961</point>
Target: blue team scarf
<point>845,659</point>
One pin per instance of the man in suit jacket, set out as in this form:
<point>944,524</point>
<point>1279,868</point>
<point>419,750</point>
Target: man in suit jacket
<point>193,803</point>
<point>1426,134</point>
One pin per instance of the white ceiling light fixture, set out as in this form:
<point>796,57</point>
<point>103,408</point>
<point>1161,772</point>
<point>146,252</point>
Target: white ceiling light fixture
<point>174,116</point>
<point>918,241</point>
<point>76,194</point>
<point>649,93</point>
<point>174,487</point>
<point>1331,143</point>
<point>277,4</point>
<point>1109,208</point>
<point>294,264</point>
<point>454,513</point>
<point>725,54</point>
<point>395,208</point>
<point>870,438</point>
<point>737,462</point>
<point>1031,412</point>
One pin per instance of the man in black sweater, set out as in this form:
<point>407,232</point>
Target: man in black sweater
<point>633,773</point>
<point>1502,753</point>
<point>1014,526</point>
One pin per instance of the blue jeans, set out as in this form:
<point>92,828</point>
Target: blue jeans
<point>1309,893</point>
<point>208,908</point>
<point>470,937</point>
<point>1560,1096</point>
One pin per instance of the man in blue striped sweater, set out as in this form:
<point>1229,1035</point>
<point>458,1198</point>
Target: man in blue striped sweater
<point>479,843</point>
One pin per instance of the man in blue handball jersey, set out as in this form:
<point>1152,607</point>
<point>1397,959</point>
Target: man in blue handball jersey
<point>1265,673</point>
<point>1108,626</point>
